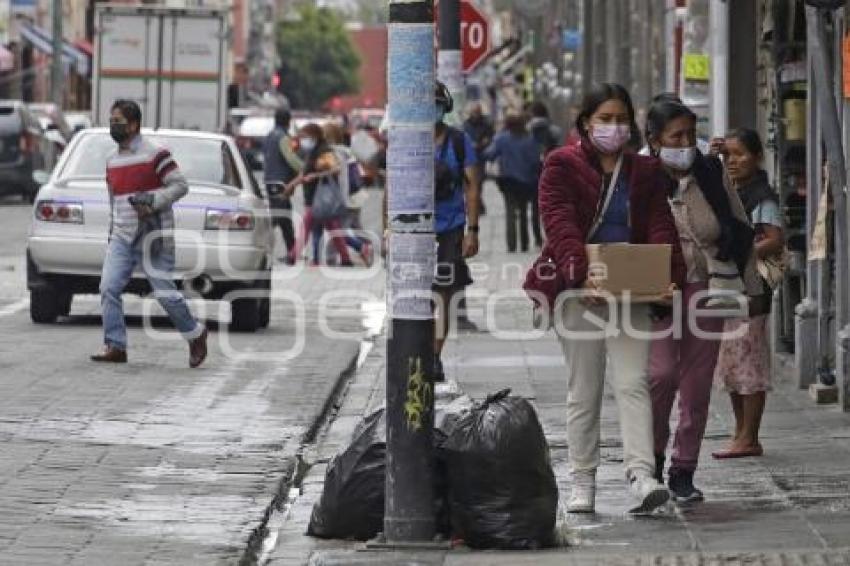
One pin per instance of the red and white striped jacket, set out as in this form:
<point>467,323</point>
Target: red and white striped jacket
<point>143,167</point>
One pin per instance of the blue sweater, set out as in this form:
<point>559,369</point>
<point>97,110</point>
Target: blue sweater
<point>518,157</point>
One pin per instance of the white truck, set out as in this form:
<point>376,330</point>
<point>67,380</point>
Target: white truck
<point>169,60</point>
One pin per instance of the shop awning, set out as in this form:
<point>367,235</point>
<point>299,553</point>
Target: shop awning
<point>7,59</point>
<point>71,55</point>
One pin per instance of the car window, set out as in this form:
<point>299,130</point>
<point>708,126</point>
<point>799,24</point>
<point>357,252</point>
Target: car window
<point>201,160</point>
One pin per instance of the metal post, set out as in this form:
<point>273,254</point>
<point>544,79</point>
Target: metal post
<point>587,46</point>
<point>831,124</point>
<point>719,38</point>
<point>56,74</point>
<point>450,58</point>
<point>612,41</point>
<point>409,508</point>
<point>810,348</point>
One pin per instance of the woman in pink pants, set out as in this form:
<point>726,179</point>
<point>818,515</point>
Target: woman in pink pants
<point>717,244</point>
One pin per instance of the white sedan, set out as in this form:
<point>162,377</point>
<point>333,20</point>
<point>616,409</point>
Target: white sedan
<point>224,241</point>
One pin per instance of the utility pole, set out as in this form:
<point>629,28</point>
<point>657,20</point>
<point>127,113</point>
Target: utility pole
<point>450,58</point>
<point>56,74</point>
<point>409,507</point>
<point>588,46</point>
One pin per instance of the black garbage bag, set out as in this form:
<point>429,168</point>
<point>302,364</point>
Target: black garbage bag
<point>352,502</point>
<point>502,490</point>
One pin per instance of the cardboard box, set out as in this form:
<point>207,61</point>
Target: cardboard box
<point>642,269</point>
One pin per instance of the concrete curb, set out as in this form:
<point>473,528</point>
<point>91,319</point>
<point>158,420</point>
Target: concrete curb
<point>296,467</point>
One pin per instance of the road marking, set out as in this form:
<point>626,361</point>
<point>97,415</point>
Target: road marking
<point>14,308</point>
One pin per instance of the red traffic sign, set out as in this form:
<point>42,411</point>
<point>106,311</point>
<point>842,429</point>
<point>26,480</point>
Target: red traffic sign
<point>474,35</point>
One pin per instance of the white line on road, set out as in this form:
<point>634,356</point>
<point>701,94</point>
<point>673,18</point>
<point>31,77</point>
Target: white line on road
<point>14,308</point>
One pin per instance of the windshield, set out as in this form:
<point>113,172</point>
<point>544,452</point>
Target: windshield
<point>200,160</point>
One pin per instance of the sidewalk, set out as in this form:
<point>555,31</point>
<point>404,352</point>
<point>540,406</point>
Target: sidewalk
<point>791,506</point>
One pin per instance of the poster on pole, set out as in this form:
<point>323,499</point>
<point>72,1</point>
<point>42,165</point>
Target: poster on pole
<point>411,67</point>
<point>410,171</point>
<point>412,263</point>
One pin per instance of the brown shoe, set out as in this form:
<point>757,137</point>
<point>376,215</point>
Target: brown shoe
<point>111,355</point>
<point>198,350</point>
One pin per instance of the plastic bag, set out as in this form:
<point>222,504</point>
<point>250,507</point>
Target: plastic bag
<point>352,502</point>
<point>502,490</point>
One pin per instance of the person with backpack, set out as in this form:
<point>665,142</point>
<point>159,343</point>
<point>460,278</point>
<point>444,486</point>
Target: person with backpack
<point>548,136</point>
<point>519,167</point>
<point>282,165</point>
<point>456,211</point>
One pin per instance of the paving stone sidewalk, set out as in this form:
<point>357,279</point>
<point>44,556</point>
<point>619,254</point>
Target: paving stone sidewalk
<point>791,506</point>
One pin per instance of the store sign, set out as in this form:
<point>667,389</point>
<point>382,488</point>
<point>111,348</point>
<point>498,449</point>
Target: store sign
<point>697,67</point>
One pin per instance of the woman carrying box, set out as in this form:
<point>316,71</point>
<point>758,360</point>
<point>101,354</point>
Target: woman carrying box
<point>598,192</point>
<point>717,244</point>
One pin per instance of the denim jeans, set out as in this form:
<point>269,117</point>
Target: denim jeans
<point>121,259</point>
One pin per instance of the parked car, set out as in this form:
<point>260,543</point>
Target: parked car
<point>52,118</point>
<point>23,149</point>
<point>252,133</point>
<point>223,236</point>
<point>78,121</point>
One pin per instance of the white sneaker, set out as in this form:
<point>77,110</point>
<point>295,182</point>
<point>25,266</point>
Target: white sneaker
<point>651,494</point>
<point>583,495</point>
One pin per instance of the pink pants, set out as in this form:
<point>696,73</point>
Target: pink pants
<point>685,365</point>
<point>333,226</point>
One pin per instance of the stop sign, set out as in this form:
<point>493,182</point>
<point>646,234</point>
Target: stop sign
<point>474,35</point>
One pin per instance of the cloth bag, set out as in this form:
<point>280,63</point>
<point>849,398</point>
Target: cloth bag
<point>328,202</point>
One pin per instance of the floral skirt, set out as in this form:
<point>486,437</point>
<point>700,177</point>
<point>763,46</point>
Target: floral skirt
<point>743,364</point>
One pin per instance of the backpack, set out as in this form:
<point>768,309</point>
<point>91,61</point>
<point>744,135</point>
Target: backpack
<point>445,179</point>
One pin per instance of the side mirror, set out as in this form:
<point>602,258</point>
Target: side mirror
<point>40,177</point>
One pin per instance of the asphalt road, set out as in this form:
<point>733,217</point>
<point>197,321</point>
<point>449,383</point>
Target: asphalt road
<point>154,463</point>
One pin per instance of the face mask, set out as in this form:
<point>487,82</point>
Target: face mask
<point>307,144</point>
<point>610,138</point>
<point>119,133</point>
<point>678,158</point>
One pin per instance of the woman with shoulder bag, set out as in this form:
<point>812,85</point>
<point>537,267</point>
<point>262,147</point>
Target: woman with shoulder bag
<point>598,192</point>
<point>320,174</point>
<point>717,244</point>
<point>743,366</point>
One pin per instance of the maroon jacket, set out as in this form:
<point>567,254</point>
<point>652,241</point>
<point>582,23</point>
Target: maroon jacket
<point>569,192</point>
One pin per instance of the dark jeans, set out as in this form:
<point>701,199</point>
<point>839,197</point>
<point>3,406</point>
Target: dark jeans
<point>517,198</point>
<point>281,209</point>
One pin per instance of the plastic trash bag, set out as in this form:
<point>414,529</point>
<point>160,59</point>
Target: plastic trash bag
<point>502,490</point>
<point>352,502</point>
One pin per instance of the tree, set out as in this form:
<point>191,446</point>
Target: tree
<point>318,58</point>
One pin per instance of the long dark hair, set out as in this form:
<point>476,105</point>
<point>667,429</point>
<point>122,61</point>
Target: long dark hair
<point>662,112</point>
<point>598,96</point>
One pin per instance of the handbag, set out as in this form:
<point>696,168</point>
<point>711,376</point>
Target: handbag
<point>772,268</point>
<point>328,202</point>
<point>544,281</point>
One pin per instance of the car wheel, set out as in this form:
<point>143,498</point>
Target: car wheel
<point>244,315</point>
<point>44,306</point>
<point>266,301</point>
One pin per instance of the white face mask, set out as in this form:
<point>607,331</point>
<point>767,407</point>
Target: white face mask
<point>678,158</point>
<point>307,144</point>
<point>610,138</point>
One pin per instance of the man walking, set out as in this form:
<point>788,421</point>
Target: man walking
<point>457,197</point>
<point>144,182</point>
<point>282,165</point>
